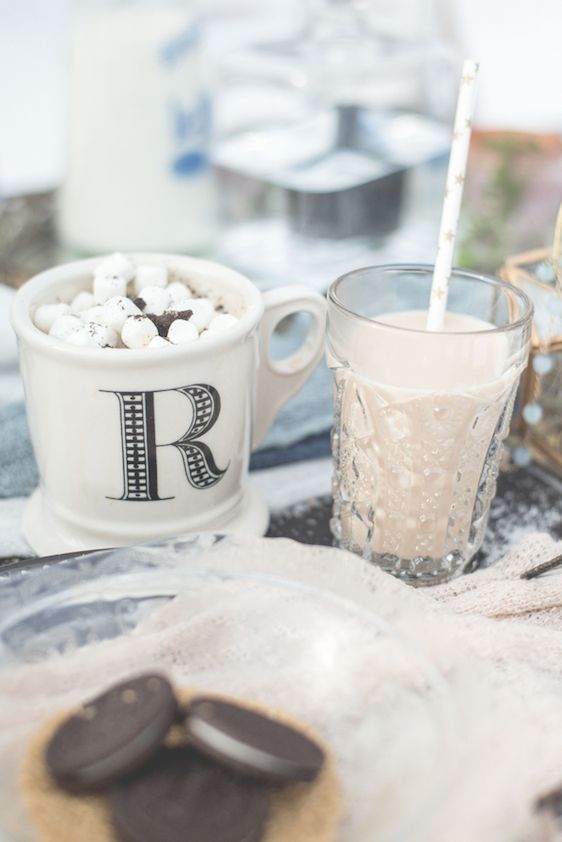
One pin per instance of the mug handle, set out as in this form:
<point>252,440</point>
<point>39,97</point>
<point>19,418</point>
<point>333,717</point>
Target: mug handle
<point>278,380</point>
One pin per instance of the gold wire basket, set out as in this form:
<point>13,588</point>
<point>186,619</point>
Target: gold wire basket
<point>537,426</point>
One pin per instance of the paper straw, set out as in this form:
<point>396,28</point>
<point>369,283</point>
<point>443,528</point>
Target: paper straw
<point>453,196</point>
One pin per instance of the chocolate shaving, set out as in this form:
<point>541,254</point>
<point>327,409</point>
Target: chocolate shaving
<point>140,303</point>
<point>182,314</point>
<point>164,321</point>
<point>551,801</point>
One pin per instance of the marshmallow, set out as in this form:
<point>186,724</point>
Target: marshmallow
<point>117,310</point>
<point>178,291</point>
<point>181,332</point>
<point>158,342</point>
<point>82,338</point>
<point>156,299</point>
<point>203,311</point>
<point>182,304</point>
<point>207,334</point>
<point>83,301</point>
<point>65,326</point>
<point>138,331</point>
<point>94,314</point>
<point>150,276</point>
<point>117,265</point>
<point>104,335</point>
<point>108,286</point>
<point>222,322</point>
<point>84,335</point>
<point>46,315</point>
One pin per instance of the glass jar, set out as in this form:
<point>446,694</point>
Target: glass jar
<point>538,423</point>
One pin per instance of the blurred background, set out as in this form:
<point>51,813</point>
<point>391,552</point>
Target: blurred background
<point>292,141</point>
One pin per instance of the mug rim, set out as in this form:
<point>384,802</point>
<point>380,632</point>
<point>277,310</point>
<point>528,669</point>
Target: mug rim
<point>427,269</point>
<point>31,335</point>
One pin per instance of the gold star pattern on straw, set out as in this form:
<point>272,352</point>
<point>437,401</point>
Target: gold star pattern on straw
<point>457,135</point>
<point>467,79</point>
<point>438,293</point>
<point>459,179</point>
<point>468,123</point>
<point>449,236</point>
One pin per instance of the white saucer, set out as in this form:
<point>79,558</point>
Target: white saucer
<point>49,535</point>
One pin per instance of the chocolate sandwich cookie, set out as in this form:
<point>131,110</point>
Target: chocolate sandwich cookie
<point>179,796</point>
<point>251,743</point>
<point>112,735</point>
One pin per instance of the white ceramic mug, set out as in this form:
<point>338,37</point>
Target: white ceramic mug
<point>133,445</point>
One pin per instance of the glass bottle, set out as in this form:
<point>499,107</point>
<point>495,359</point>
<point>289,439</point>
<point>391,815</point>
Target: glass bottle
<point>138,128</point>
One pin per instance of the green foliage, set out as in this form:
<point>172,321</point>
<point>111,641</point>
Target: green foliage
<point>486,242</point>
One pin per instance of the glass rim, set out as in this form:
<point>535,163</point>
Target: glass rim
<point>427,269</point>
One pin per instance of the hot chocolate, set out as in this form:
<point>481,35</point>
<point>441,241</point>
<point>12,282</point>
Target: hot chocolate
<point>134,307</point>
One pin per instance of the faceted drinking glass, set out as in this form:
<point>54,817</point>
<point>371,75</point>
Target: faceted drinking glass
<point>420,416</point>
